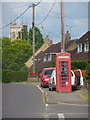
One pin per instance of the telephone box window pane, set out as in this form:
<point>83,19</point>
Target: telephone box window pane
<point>64,65</point>
<point>64,79</point>
<point>64,72</point>
<point>64,69</point>
<point>64,75</point>
<point>64,62</point>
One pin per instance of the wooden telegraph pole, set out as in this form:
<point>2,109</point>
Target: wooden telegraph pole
<point>62,27</point>
<point>33,27</point>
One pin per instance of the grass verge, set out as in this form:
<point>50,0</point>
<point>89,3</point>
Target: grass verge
<point>45,97</point>
<point>85,95</point>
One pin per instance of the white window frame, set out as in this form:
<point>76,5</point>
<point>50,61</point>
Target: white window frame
<point>86,46</point>
<point>79,47</point>
<point>44,59</point>
<point>49,57</point>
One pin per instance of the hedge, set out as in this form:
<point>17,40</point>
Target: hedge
<point>14,76</point>
<point>81,64</point>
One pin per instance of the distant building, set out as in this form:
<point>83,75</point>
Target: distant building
<point>46,45</point>
<point>15,29</point>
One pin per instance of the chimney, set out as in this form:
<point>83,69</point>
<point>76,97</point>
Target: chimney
<point>51,42</point>
<point>46,40</point>
<point>67,36</point>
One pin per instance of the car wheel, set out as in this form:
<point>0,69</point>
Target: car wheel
<point>49,89</point>
<point>41,85</point>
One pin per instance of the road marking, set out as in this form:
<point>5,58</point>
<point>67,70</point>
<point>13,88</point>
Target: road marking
<point>61,115</point>
<point>40,89</point>
<point>62,103</point>
<point>46,105</point>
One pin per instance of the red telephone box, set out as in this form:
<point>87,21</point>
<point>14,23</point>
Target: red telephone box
<point>63,72</point>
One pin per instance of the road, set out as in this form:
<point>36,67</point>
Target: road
<point>22,101</point>
<point>26,101</point>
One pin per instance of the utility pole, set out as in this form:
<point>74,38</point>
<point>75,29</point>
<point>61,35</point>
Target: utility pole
<point>33,27</point>
<point>62,27</point>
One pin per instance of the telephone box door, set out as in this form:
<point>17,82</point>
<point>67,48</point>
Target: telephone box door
<point>63,72</point>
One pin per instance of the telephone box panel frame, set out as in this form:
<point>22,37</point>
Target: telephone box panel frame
<point>63,72</point>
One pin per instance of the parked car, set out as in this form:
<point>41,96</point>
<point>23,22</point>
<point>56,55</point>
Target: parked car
<point>45,75</point>
<point>52,80</point>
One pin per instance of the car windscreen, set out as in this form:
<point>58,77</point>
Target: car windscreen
<point>48,72</point>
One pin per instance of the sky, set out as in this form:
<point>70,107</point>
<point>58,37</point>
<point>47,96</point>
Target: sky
<point>75,17</point>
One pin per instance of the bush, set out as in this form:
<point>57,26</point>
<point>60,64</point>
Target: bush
<point>14,76</point>
<point>79,65</point>
<point>87,77</point>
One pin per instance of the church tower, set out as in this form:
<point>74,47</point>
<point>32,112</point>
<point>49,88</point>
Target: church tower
<point>15,29</point>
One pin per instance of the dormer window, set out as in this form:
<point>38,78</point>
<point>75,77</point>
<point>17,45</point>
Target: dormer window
<point>86,46</point>
<point>79,47</point>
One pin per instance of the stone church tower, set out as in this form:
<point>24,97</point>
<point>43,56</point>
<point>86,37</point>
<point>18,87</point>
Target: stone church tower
<point>14,29</point>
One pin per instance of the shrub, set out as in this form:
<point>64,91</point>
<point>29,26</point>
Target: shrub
<point>87,77</point>
<point>5,78</point>
<point>14,76</point>
<point>79,65</point>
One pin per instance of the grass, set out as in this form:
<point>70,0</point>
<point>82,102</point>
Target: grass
<point>84,95</point>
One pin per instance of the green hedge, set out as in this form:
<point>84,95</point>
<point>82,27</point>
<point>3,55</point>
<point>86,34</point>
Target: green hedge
<point>81,64</point>
<point>14,76</point>
<point>87,77</point>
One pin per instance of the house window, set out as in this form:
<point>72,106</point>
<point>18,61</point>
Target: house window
<point>44,59</point>
<point>86,46</point>
<point>49,57</point>
<point>79,47</point>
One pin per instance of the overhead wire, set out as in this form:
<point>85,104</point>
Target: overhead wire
<point>65,15</point>
<point>47,14</point>
<point>20,15</point>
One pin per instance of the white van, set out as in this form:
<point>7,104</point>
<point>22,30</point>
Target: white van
<point>52,80</point>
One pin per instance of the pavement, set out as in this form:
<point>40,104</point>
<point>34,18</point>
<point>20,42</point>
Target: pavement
<point>71,98</point>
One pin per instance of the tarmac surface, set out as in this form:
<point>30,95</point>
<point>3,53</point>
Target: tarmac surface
<point>71,98</point>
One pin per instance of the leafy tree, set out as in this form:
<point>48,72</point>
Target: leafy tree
<point>16,54</point>
<point>23,34</point>
<point>38,38</point>
<point>5,41</point>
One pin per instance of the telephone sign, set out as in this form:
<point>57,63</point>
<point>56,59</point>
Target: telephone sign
<point>63,72</point>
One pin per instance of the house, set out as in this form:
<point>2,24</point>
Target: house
<point>79,49</point>
<point>47,43</point>
<point>82,51</point>
<point>47,58</point>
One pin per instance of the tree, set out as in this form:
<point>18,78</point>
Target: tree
<point>5,41</point>
<point>23,34</point>
<point>38,38</point>
<point>16,54</point>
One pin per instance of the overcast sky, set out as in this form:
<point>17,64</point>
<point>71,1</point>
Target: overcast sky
<point>75,14</point>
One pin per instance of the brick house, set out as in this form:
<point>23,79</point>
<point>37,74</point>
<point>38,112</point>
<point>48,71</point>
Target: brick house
<point>82,51</point>
<point>79,49</point>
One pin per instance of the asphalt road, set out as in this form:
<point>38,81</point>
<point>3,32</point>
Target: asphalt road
<point>21,101</point>
<point>26,101</point>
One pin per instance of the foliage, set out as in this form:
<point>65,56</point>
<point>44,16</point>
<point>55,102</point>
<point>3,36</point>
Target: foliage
<point>38,38</point>
<point>23,34</point>
<point>79,65</point>
<point>16,54</point>
<point>5,78</point>
<point>14,76</point>
<point>88,73</point>
<point>53,64</point>
<point>5,41</point>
